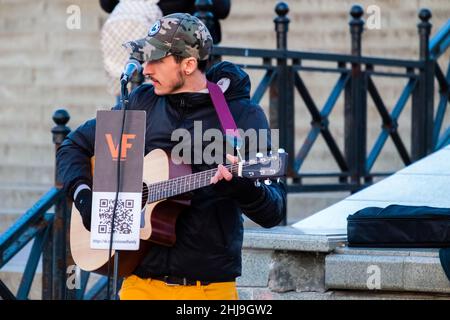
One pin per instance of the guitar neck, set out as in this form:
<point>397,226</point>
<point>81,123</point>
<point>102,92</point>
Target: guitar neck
<point>176,186</point>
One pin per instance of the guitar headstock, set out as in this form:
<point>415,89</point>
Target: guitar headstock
<point>270,166</point>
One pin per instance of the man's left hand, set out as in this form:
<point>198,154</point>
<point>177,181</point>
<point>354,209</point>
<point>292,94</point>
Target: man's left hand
<point>223,172</point>
<point>239,188</point>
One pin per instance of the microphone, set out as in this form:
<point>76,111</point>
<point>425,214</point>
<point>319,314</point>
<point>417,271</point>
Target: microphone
<point>131,67</point>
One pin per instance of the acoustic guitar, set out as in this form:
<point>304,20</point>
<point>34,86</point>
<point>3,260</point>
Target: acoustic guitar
<point>165,186</point>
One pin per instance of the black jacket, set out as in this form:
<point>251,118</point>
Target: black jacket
<point>210,232</point>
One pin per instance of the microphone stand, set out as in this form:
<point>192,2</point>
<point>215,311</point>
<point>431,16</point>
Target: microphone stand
<point>124,102</point>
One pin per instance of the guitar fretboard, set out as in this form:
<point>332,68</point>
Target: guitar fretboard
<point>176,186</point>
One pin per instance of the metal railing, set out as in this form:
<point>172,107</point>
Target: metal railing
<point>283,76</point>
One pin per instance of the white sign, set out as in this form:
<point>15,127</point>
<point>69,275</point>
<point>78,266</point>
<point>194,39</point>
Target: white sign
<point>126,223</point>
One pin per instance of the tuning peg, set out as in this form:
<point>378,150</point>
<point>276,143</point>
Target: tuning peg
<point>257,183</point>
<point>259,155</point>
<point>278,180</point>
<point>267,182</point>
<point>281,150</point>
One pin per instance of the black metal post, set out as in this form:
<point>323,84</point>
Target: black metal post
<point>356,105</point>
<point>59,266</point>
<point>281,105</point>
<point>423,96</point>
<point>204,12</point>
<point>282,89</point>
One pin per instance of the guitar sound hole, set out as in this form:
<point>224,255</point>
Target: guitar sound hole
<point>144,195</point>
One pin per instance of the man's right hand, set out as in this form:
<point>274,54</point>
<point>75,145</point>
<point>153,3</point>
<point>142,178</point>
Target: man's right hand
<point>83,202</point>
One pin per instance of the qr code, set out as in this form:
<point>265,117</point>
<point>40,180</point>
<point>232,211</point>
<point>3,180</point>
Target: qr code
<point>123,220</point>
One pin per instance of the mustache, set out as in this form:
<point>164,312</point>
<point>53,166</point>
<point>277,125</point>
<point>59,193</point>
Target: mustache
<point>151,78</point>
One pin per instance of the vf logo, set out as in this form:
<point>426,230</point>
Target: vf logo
<point>114,148</point>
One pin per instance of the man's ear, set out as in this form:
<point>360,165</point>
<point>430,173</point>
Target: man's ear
<point>190,65</point>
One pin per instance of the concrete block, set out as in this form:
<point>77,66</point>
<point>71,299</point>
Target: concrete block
<point>297,271</point>
<point>409,270</point>
<point>288,238</point>
<point>245,293</point>
<point>356,272</point>
<point>255,268</point>
<point>267,294</point>
<point>425,273</point>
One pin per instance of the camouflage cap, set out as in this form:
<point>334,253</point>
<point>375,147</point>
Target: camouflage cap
<point>179,34</point>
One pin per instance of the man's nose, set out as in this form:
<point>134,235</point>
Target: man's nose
<point>148,69</point>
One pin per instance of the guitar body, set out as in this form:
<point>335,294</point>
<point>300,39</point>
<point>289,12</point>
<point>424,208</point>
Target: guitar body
<point>159,219</point>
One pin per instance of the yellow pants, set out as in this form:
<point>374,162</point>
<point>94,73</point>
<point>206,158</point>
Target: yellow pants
<point>135,288</point>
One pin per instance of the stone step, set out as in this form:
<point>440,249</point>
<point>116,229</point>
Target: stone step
<point>267,294</point>
<point>382,269</point>
<point>34,174</point>
<point>20,197</point>
<point>13,115</point>
<point>68,76</point>
<point>24,154</point>
<point>58,94</point>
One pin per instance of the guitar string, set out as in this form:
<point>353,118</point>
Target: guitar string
<point>169,188</point>
<point>164,187</point>
<point>168,183</point>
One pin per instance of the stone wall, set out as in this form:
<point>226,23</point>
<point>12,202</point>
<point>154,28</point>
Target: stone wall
<point>286,264</point>
<point>45,66</point>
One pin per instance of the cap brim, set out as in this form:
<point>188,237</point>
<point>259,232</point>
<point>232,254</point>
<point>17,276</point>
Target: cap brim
<point>143,50</point>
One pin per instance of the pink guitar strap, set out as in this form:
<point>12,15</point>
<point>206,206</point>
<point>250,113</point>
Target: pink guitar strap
<point>223,112</point>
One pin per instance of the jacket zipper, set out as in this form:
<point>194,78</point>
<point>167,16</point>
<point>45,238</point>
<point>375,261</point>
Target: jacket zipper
<point>183,108</point>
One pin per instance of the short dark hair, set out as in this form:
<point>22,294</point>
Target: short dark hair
<point>201,64</point>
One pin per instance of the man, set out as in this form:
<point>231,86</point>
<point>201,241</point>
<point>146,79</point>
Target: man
<point>206,258</point>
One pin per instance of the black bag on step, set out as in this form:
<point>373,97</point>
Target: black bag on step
<point>399,226</point>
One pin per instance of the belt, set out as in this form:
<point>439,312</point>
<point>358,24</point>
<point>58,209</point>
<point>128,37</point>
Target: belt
<point>173,280</point>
